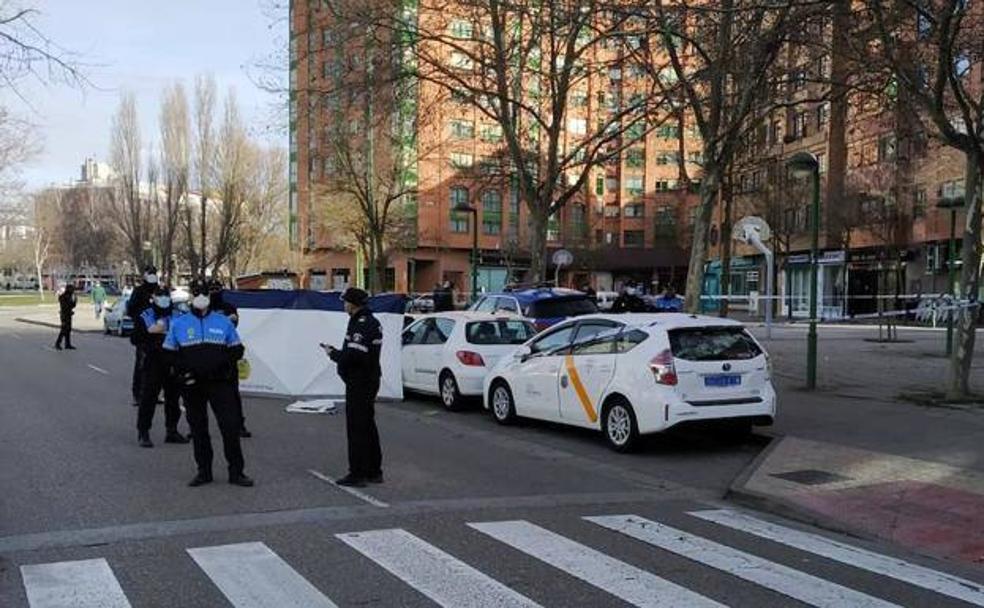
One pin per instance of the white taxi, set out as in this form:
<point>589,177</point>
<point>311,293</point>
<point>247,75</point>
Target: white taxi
<point>633,374</point>
<point>449,353</point>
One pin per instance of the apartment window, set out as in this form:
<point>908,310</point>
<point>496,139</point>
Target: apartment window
<point>579,223</point>
<point>634,238</point>
<point>953,189</point>
<point>797,80</point>
<point>461,29</point>
<point>577,126</point>
<point>615,73</point>
<point>462,160</point>
<point>668,158</point>
<point>579,99</point>
<point>553,228</point>
<point>822,162</point>
<point>924,27</point>
<point>635,158</point>
<point>492,133</point>
<point>774,128</point>
<point>823,115</point>
<point>462,129</point>
<point>798,128</point>
<point>611,184</point>
<point>886,148</point>
<point>636,131</point>
<point>823,67</point>
<point>667,185</point>
<point>325,38</point>
<point>635,210</point>
<point>459,198</point>
<point>460,96</point>
<point>668,132</point>
<point>600,186</point>
<point>696,158</point>
<point>919,203</point>
<point>612,211</point>
<point>665,221</point>
<point>461,61</point>
<point>634,185</point>
<point>491,212</point>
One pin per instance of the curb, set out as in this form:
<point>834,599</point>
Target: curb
<point>56,326</point>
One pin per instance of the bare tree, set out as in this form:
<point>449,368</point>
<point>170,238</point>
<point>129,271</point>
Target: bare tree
<point>175,159</point>
<point>27,53</point>
<point>262,227</point>
<point>932,51</point>
<point>235,161</point>
<point>203,177</point>
<point>129,212</point>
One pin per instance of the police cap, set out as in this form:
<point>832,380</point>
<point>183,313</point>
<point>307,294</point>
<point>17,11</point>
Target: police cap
<point>356,296</point>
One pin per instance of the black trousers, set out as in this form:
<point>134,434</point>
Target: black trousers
<point>221,395</point>
<point>138,362</point>
<point>239,405</point>
<point>156,377</point>
<point>365,456</point>
<point>66,332</point>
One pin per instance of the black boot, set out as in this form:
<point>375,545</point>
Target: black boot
<point>244,433</point>
<point>202,478</point>
<point>144,440</point>
<point>175,437</point>
<point>69,347</point>
<point>351,481</point>
<point>240,479</point>
<point>58,347</point>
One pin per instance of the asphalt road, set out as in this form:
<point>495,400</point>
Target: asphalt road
<point>471,514</point>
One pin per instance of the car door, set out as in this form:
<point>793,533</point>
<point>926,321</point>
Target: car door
<point>429,355</point>
<point>536,379</point>
<point>412,337</point>
<point>588,369</point>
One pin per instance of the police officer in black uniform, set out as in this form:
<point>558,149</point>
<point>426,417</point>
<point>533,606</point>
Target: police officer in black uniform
<point>149,330</point>
<point>66,308</point>
<point>358,367</point>
<point>220,305</point>
<point>138,302</point>
<point>204,348</point>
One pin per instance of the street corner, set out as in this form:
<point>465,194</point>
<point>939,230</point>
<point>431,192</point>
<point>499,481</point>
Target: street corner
<point>927,507</point>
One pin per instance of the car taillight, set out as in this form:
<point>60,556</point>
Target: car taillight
<point>663,369</point>
<point>468,357</point>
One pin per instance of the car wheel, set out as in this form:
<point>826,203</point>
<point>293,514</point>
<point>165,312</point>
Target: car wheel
<point>619,425</point>
<point>501,403</point>
<point>450,395</point>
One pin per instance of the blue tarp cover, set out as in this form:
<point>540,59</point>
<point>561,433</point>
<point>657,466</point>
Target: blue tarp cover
<point>302,299</point>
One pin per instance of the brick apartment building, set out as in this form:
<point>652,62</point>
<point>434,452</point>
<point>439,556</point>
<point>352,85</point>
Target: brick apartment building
<point>631,222</point>
<point>882,232</point>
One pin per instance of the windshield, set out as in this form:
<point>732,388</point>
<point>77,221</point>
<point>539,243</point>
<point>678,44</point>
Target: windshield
<point>563,307</point>
<point>499,332</point>
<point>713,344</point>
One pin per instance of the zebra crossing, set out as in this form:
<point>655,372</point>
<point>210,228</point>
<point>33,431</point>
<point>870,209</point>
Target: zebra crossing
<point>251,575</point>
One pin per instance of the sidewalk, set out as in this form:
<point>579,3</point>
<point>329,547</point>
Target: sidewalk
<point>853,456</point>
<point>47,316</point>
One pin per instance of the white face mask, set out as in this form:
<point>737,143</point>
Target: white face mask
<point>162,301</point>
<point>151,278</point>
<point>200,302</point>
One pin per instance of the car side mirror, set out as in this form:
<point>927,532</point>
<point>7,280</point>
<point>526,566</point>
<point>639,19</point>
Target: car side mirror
<point>522,353</point>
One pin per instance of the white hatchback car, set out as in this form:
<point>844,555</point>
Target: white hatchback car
<point>449,353</point>
<point>633,374</point>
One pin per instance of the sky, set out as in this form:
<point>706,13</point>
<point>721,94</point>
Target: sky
<point>141,46</point>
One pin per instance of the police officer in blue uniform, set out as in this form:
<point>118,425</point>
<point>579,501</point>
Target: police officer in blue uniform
<point>358,367</point>
<point>220,305</point>
<point>149,331</point>
<point>204,349</point>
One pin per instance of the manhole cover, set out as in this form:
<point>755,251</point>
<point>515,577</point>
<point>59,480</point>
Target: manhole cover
<point>811,477</point>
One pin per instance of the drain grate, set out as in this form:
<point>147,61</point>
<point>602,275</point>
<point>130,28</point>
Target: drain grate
<point>811,477</point>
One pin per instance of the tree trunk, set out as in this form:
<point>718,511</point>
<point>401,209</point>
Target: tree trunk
<point>709,187</point>
<point>379,263</point>
<point>725,239</point>
<point>966,325</point>
<point>538,243</point>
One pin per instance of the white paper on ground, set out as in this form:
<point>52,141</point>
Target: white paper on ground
<point>316,406</point>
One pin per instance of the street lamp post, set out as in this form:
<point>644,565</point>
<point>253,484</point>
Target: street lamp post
<point>953,204</point>
<point>466,208</point>
<point>804,164</point>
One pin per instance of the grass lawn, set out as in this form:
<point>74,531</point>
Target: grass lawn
<point>31,298</point>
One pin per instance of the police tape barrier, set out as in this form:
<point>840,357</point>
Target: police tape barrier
<point>281,331</point>
<point>929,309</point>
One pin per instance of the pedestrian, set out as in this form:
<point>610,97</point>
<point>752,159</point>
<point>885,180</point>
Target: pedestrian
<point>138,301</point>
<point>443,299</point>
<point>204,349</point>
<point>669,302</point>
<point>358,367</point>
<point>98,298</point>
<point>66,308</point>
<point>150,329</point>
<point>219,304</point>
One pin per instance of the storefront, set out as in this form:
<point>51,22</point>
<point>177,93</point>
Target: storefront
<point>831,285</point>
<point>746,279</point>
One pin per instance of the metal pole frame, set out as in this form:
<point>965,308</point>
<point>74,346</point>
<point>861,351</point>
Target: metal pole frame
<point>811,345</point>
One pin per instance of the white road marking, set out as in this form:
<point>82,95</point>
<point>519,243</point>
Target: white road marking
<point>776,577</point>
<point>446,580</point>
<point>635,586</point>
<point>892,567</point>
<point>17,336</point>
<point>88,583</point>
<point>353,491</point>
<point>49,348</point>
<point>98,369</point>
<point>250,575</point>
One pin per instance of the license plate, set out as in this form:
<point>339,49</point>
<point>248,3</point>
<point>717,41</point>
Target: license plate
<point>722,380</point>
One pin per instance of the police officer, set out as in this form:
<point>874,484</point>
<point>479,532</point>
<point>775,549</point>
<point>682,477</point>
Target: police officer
<point>138,302</point>
<point>66,308</point>
<point>220,305</point>
<point>358,367</point>
<point>149,330</point>
<point>204,349</point>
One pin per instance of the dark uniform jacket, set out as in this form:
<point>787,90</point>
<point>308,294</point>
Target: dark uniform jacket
<point>153,344</point>
<point>138,302</point>
<point>358,360</point>
<point>66,305</point>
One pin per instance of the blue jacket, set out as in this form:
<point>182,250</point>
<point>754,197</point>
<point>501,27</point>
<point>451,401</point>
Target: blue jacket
<point>206,346</point>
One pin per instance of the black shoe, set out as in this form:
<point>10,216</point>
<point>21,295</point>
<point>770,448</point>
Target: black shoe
<point>351,481</point>
<point>244,433</point>
<point>241,480</point>
<point>175,437</point>
<point>58,347</point>
<point>377,478</point>
<point>200,479</point>
<point>70,347</point>
<point>144,440</point>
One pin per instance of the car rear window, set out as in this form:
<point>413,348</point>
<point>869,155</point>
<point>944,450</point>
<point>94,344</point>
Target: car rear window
<point>713,344</point>
<point>563,307</point>
<point>499,332</point>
